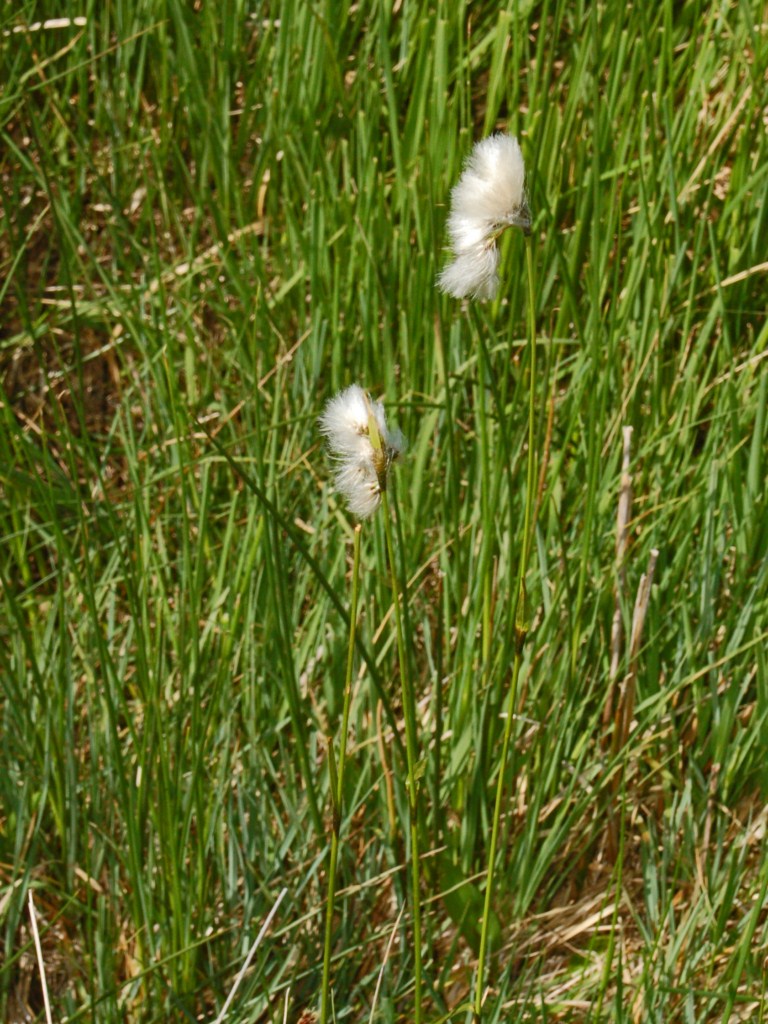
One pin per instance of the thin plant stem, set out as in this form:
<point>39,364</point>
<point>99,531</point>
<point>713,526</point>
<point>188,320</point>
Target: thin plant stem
<point>337,780</point>
<point>618,876</point>
<point>484,927</point>
<point>409,712</point>
<point>40,960</point>
<point>530,482</point>
<point>486,552</point>
<point>522,625</point>
<point>251,953</point>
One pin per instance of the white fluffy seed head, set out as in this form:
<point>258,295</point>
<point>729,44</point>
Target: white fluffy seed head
<point>361,469</point>
<point>492,185</point>
<point>488,197</point>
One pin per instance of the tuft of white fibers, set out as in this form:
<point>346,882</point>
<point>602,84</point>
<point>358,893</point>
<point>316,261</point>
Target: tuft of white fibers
<point>361,466</point>
<point>488,198</point>
<point>472,274</point>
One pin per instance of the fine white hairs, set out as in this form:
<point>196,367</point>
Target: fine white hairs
<point>362,461</point>
<point>488,198</point>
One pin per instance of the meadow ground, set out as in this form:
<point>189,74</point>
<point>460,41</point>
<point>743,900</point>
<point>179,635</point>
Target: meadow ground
<point>214,217</point>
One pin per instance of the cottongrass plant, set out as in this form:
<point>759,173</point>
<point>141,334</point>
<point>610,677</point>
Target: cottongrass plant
<point>490,197</point>
<point>364,448</point>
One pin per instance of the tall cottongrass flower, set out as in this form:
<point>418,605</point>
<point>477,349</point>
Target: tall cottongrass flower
<point>488,198</point>
<point>364,448</point>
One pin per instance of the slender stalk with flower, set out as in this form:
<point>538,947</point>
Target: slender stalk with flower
<point>489,198</point>
<point>337,780</point>
<point>364,449</point>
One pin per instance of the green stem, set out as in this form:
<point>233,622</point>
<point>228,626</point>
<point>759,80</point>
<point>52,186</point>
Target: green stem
<point>337,782</point>
<point>486,549</point>
<point>530,496</point>
<point>522,625</point>
<point>409,710</point>
<point>495,834</point>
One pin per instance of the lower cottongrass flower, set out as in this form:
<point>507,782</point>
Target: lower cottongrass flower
<point>488,198</point>
<point>363,447</point>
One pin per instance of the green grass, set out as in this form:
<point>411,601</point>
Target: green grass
<point>214,219</point>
